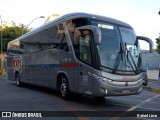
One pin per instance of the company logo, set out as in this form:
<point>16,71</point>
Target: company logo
<point>21,114</point>
<point>16,63</point>
<point>6,114</point>
<point>126,78</point>
<point>126,84</point>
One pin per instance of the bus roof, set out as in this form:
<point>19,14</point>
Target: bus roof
<point>74,16</point>
<point>97,17</point>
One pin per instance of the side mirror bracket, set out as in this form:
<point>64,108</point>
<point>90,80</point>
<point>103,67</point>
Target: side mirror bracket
<point>147,40</point>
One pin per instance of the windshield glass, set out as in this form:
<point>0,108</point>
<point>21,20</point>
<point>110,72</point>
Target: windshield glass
<point>118,50</point>
<point>110,44</point>
<point>133,58</point>
<point>129,38</point>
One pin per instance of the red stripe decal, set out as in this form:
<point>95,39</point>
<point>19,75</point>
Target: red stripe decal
<point>69,65</point>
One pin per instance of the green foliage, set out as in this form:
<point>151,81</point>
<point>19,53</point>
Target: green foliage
<point>11,33</point>
<point>158,44</point>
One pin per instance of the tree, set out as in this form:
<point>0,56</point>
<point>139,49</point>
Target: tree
<point>158,44</point>
<point>11,33</point>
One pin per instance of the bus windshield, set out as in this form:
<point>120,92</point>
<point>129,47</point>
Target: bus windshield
<point>118,51</point>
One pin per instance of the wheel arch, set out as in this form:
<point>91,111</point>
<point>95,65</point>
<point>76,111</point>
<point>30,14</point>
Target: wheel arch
<point>58,79</point>
<point>16,73</point>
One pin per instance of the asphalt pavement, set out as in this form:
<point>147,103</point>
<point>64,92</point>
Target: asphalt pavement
<point>79,107</point>
<point>153,86</point>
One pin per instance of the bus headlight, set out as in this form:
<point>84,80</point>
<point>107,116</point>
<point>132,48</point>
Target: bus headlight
<point>101,79</point>
<point>104,80</point>
<point>106,91</point>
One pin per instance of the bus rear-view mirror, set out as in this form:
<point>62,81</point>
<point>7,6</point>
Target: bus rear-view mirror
<point>150,42</point>
<point>96,32</point>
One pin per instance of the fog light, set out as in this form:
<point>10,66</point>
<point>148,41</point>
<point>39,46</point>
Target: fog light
<point>106,91</point>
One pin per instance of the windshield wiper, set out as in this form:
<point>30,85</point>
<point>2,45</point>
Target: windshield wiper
<point>117,62</point>
<point>128,52</point>
<point>118,59</point>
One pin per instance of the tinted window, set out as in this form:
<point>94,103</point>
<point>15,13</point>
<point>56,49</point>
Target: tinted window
<point>53,37</point>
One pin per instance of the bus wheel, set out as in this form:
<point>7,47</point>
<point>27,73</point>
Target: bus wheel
<point>64,88</point>
<point>100,98</point>
<point>18,83</point>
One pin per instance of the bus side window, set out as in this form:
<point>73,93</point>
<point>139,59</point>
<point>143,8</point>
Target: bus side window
<point>71,30</point>
<point>15,48</point>
<point>85,46</point>
<point>62,38</point>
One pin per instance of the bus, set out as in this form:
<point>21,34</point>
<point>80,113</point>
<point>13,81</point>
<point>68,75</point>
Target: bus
<point>79,53</point>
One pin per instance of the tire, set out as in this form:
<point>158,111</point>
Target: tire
<point>100,98</point>
<point>145,84</point>
<point>64,88</point>
<point>18,82</point>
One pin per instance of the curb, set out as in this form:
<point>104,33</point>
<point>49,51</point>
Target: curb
<point>156,90</point>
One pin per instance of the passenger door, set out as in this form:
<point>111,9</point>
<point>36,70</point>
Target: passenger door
<point>85,62</point>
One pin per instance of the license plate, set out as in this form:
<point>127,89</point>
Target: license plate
<point>125,91</point>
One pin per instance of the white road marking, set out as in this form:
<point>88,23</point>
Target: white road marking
<point>137,106</point>
<point>152,109</point>
<point>142,103</point>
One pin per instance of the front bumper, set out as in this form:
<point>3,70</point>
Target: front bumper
<point>116,88</point>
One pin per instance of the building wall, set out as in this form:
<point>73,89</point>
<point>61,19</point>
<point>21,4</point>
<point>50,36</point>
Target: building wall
<point>150,61</point>
<point>2,64</point>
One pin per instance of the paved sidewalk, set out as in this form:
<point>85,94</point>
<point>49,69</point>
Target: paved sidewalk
<point>153,85</point>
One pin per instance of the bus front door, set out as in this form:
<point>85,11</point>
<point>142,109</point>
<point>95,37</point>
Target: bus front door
<point>85,79</point>
<point>85,69</point>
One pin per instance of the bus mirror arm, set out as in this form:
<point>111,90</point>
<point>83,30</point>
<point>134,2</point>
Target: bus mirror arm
<point>147,40</point>
<point>96,32</point>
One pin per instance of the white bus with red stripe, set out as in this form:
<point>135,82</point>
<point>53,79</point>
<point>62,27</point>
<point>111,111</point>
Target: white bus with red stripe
<point>81,53</point>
